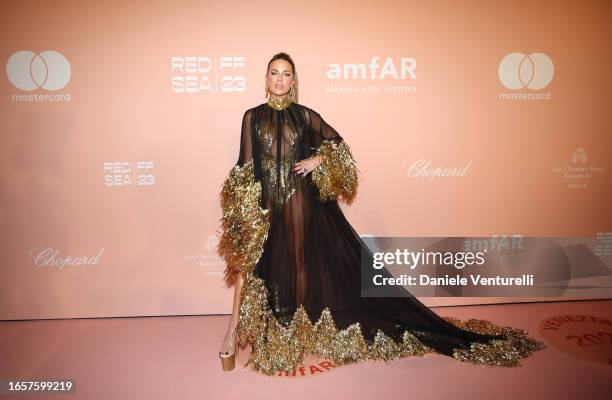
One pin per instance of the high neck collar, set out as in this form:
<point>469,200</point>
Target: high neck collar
<point>280,103</point>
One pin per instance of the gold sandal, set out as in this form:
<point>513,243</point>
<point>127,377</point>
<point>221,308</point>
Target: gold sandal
<point>228,360</point>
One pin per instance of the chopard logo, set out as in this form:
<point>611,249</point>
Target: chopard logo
<point>421,169</point>
<point>49,257</point>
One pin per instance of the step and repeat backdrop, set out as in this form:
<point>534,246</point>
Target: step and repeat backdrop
<point>121,119</point>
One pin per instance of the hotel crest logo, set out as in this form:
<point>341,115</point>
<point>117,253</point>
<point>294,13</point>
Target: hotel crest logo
<point>579,171</point>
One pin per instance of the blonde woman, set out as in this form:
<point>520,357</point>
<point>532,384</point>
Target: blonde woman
<point>294,259</point>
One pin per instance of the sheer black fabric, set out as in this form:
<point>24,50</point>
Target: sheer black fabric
<point>312,254</point>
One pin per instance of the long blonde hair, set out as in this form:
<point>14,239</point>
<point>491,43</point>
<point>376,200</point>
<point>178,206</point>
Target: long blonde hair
<point>293,92</point>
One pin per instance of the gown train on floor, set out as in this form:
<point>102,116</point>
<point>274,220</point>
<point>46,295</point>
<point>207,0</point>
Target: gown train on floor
<point>301,260</point>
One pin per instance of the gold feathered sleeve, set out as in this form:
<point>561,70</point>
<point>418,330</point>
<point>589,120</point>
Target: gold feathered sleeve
<point>337,175</point>
<point>244,224</point>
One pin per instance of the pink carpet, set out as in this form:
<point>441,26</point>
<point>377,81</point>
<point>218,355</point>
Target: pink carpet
<point>176,358</point>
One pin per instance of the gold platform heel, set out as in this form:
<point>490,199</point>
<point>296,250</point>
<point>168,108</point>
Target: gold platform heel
<point>228,360</point>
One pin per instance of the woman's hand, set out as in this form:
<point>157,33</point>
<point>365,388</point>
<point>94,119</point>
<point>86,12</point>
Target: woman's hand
<point>305,166</point>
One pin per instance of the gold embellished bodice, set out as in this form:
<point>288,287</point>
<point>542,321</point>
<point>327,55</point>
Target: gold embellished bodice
<point>278,135</point>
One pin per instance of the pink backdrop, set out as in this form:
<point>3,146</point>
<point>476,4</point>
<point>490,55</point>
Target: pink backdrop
<point>120,120</point>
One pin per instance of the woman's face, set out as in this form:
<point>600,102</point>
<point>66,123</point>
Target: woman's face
<point>279,78</point>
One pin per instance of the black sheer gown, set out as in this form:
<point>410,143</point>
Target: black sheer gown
<point>301,259</point>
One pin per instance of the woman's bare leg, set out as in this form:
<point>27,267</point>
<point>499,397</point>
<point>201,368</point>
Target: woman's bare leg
<point>229,339</point>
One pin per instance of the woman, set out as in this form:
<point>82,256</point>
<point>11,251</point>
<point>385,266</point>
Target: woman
<point>294,259</point>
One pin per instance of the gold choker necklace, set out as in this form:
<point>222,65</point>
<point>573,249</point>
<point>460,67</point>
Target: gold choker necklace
<point>280,104</point>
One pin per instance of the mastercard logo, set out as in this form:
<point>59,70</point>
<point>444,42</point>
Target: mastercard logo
<point>533,71</point>
<point>48,70</point>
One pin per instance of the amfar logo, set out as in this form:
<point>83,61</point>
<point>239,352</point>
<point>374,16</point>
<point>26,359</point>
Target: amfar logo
<point>504,249</point>
<point>403,70</point>
<point>48,70</point>
<point>518,71</point>
<point>407,66</point>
